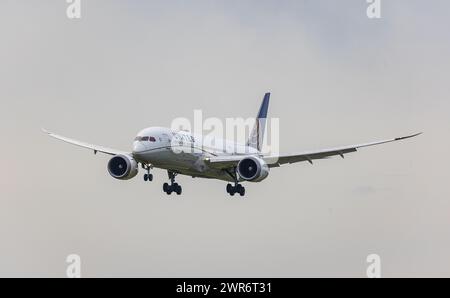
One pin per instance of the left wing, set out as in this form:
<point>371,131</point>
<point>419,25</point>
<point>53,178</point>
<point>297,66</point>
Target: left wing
<point>96,148</point>
<point>326,153</point>
<point>275,161</point>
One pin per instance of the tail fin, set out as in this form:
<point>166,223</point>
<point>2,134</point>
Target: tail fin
<point>257,136</point>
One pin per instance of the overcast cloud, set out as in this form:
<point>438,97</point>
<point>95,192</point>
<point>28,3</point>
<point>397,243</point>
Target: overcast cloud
<point>336,78</point>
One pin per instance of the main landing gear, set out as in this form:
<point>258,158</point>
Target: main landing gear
<point>173,186</point>
<point>237,188</point>
<point>148,176</point>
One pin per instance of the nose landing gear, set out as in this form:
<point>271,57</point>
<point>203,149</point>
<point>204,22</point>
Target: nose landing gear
<point>173,186</point>
<point>148,176</point>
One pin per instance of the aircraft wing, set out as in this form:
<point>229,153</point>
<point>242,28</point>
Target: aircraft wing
<point>96,148</point>
<point>226,162</point>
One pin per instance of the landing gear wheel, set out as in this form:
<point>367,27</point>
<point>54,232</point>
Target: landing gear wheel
<point>178,190</point>
<point>229,188</point>
<point>173,186</point>
<point>238,188</point>
<point>242,191</point>
<point>147,176</point>
<point>166,187</point>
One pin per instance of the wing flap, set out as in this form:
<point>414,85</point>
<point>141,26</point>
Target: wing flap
<point>224,162</point>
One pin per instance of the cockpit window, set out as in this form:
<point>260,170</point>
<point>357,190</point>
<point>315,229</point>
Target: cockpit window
<point>145,139</point>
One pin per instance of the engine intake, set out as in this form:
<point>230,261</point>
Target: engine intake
<point>122,167</point>
<point>253,169</point>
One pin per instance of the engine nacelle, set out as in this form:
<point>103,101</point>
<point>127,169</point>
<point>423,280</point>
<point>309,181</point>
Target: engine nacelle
<point>122,167</point>
<point>253,169</point>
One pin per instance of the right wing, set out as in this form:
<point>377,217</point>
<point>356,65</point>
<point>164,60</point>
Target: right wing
<point>96,148</point>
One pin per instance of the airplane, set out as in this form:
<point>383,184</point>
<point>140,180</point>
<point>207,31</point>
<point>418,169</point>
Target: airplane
<point>164,148</point>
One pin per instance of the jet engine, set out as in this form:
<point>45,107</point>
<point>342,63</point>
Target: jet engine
<point>253,169</point>
<point>122,167</point>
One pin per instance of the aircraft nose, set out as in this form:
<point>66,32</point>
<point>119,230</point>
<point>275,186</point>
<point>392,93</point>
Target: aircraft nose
<point>138,147</point>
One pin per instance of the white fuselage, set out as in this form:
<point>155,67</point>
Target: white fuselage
<point>185,153</point>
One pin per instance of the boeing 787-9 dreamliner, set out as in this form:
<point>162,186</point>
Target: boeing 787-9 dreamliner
<point>181,152</point>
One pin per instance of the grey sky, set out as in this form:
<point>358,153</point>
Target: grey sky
<point>336,78</point>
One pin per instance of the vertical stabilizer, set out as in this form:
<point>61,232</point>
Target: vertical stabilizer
<point>257,135</point>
